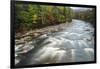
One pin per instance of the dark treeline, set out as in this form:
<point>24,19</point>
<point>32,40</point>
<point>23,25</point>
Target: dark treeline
<point>30,16</point>
<point>86,15</point>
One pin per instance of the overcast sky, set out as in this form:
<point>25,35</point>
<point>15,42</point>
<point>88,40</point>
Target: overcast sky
<point>83,8</point>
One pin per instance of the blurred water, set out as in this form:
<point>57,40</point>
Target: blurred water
<point>74,43</point>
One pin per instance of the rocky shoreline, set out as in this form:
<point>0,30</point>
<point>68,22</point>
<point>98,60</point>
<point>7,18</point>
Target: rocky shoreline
<point>24,42</point>
<point>22,38</point>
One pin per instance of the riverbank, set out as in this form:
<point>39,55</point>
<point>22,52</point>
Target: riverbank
<point>23,42</point>
<point>22,38</point>
<point>75,43</point>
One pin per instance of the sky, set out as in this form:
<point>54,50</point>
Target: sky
<point>80,8</point>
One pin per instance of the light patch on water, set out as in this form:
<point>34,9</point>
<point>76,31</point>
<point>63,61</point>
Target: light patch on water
<point>45,54</point>
<point>73,54</point>
<point>73,44</point>
<point>49,53</point>
<point>59,54</point>
<point>90,53</point>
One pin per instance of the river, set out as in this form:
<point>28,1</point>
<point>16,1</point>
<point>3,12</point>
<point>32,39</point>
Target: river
<point>75,43</point>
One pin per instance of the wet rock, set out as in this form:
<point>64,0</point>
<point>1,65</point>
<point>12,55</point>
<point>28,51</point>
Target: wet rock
<point>68,45</point>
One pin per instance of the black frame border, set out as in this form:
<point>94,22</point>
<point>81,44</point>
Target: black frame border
<point>12,33</point>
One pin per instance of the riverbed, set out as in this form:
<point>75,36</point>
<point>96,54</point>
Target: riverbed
<point>74,43</point>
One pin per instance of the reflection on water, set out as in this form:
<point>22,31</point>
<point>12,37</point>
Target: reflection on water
<point>75,43</point>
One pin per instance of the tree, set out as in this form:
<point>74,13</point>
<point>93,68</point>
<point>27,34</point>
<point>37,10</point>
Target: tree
<point>31,16</point>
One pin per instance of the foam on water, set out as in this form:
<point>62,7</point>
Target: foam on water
<point>73,44</point>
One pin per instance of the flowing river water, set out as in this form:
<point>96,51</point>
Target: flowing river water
<point>75,43</point>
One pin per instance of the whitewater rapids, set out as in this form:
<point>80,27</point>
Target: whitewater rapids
<point>74,43</point>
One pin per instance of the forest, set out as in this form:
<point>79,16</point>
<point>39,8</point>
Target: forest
<point>88,15</point>
<point>32,16</point>
<point>29,16</point>
<point>47,34</point>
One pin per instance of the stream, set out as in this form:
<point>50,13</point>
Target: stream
<point>75,43</point>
